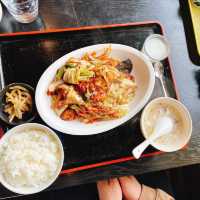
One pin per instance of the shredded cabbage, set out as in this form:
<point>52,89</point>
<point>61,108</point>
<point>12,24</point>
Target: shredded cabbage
<point>60,73</point>
<point>74,75</point>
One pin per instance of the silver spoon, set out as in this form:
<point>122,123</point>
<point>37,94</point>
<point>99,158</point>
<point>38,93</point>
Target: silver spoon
<point>163,126</point>
<point>159,73</point>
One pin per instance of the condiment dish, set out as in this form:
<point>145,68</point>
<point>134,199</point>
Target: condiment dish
<point>26,117</point>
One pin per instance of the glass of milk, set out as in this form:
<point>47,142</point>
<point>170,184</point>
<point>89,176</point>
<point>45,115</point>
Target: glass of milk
<point>156,47</point>
<point>24,11</point>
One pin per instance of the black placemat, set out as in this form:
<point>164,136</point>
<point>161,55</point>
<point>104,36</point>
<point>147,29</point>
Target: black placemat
<point>24,58</point>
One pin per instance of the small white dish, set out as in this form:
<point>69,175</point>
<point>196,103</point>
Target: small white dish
<point>156,47</point>
<point>35,126</point>
<point>175,140</point>
<point>142,70</point>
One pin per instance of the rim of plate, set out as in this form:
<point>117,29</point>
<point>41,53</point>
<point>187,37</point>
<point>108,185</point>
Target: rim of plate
<point>98,127</point>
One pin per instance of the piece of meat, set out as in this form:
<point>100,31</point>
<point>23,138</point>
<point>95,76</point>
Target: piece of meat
<point>59,111</point>
<point>98,89</point>
<point>68,114</point>
<point>52,87</point>
<point>73,97</point>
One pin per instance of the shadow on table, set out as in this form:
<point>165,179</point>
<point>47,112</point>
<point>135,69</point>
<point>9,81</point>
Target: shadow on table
<point>190,37</point>
<point>197,78</point>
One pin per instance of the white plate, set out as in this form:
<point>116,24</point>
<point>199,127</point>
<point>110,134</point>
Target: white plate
<point>142,70</point>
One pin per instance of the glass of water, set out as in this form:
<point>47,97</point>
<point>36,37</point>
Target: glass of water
<point>24,11</point>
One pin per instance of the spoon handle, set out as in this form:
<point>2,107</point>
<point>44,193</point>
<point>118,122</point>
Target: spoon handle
<point>137,151</point>
<point>163,84</point>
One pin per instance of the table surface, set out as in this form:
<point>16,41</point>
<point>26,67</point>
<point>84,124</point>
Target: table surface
<point>176,20</point>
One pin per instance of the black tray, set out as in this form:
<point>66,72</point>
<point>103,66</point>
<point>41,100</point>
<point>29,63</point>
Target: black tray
<point>25,56</point>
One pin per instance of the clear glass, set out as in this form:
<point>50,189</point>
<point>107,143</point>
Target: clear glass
<point>24,11</point>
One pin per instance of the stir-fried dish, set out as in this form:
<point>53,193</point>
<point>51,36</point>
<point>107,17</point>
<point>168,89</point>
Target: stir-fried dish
<point>92,88</point>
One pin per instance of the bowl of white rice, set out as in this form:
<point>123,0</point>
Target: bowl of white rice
<point>31,158</point>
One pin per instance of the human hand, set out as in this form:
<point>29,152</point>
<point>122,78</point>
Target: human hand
<point>131,188</point>
<point>109,189</point>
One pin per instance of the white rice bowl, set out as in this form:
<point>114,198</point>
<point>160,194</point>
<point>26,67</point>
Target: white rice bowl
<point>31,158</point>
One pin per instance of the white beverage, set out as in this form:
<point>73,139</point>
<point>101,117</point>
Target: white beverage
<point>156,47</point>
